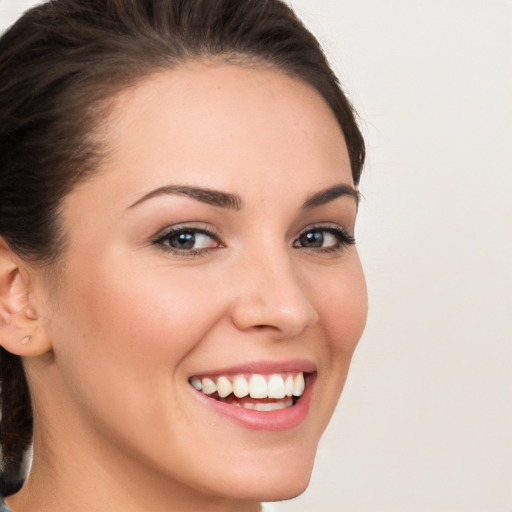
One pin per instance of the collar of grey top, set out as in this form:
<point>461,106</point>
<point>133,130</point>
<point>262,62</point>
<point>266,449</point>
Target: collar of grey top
<point>4,507</point>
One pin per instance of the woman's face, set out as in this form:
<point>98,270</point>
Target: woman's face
<point>214,246</point>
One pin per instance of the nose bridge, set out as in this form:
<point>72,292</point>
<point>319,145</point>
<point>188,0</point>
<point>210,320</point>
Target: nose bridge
<point>269,293</point>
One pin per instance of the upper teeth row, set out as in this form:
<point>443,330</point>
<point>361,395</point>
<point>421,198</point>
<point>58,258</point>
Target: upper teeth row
<point>257,386</point>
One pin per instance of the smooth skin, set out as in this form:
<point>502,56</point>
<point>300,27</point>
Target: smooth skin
<point>136,311</point>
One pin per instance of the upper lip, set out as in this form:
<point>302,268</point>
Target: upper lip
<point>263,367</point>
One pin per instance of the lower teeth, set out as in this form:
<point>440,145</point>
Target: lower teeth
<point>260,405</point>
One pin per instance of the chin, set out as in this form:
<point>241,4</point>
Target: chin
<point>271,490</point>
<point>283,478</point>
<point>284,491</point>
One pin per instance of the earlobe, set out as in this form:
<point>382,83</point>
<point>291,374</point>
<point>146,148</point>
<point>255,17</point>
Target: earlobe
<point>21,332</point>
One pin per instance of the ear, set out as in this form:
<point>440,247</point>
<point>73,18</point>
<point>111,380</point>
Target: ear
<point>21,331</point>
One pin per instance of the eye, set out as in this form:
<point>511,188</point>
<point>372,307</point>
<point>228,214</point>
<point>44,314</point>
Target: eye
<point>188,240</point>
<point>325,238</point>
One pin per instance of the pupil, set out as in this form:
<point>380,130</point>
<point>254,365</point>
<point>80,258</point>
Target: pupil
<point>312,239</point>
<point>183,241</point>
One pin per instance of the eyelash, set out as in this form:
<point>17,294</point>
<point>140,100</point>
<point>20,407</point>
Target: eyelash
<point>343,239</point>
<point>182,230</point>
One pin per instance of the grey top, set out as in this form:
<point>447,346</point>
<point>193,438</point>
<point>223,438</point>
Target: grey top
<point>4,507</point>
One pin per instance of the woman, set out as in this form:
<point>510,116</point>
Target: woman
<point>179,282</point>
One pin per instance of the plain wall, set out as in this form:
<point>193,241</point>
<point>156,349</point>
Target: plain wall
<point>425,421</point>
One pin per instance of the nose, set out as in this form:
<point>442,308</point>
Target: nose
<point>269,295</point>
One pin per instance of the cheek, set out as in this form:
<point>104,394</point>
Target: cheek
<point>126,327</point>
<point>139,314</point>
<point>343,306</point>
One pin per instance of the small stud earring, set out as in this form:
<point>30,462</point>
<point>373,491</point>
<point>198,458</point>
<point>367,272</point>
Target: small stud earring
<point>25,340</point>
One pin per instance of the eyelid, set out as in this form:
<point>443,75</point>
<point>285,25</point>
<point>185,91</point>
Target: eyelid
<point>198,227</point>
<point>327,226</point>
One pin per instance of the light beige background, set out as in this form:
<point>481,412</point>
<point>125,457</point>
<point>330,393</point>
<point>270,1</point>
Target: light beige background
<point>425,422</point>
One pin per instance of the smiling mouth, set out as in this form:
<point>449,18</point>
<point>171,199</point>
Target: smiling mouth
<point>259,392</point>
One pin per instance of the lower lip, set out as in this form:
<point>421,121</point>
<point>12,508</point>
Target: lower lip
<point>272,421</point>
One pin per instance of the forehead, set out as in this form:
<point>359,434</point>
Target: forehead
<point>223,126</point>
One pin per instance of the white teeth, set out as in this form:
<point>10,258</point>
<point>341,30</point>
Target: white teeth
<point>288,385</point>
<point>298,385</point>
<point>224,387</point>
<point>208,386</point>
<point>266,407</point>
<point>258,386</point>
<point>276,387</point>
<point>269,406</point>
<point>240,387</point>
<point>196,383</point>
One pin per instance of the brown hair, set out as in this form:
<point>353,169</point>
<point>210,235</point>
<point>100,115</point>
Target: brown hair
<point>61,62</point>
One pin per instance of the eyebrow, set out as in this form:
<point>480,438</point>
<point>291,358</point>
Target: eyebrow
<point>331,193</point>
<point>204,195</point>
<point>234,202</point>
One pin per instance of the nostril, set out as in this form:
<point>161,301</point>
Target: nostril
<point>314,317</point>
